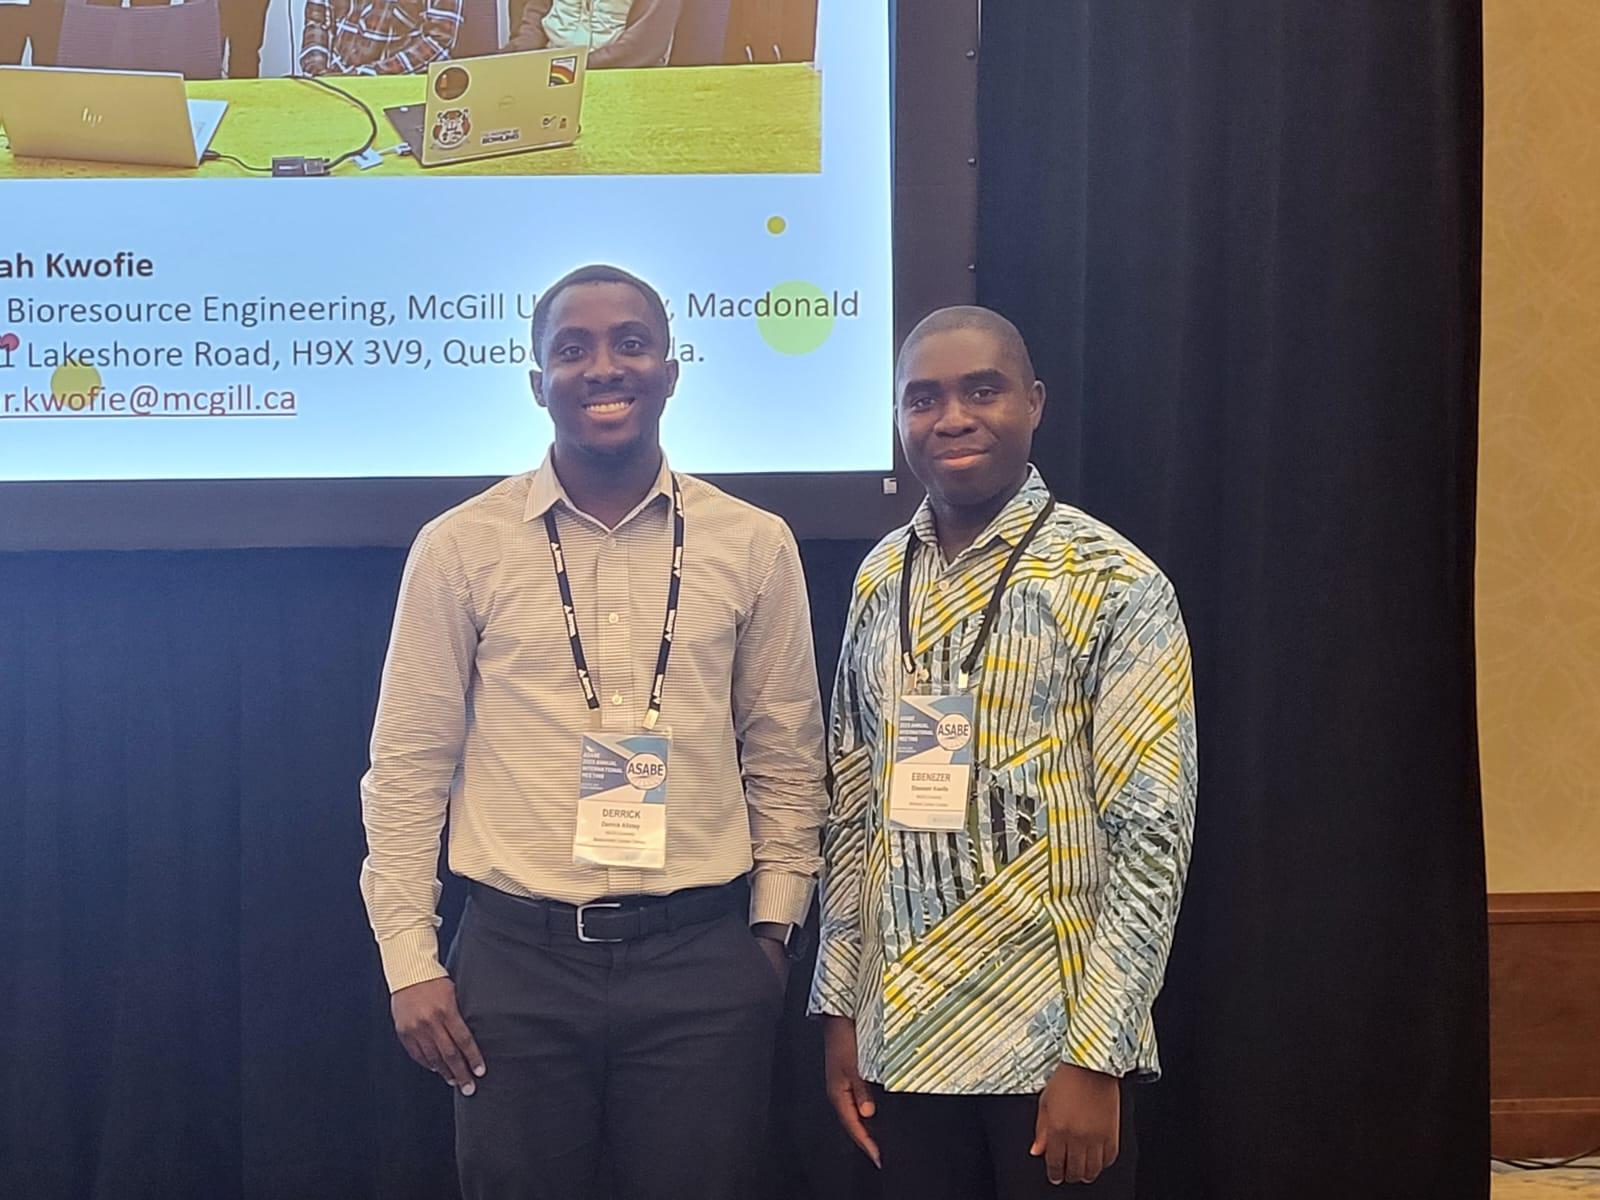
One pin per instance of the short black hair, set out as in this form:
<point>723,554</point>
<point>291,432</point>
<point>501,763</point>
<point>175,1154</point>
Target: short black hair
<point>595,273</point>
<point>970,316</point>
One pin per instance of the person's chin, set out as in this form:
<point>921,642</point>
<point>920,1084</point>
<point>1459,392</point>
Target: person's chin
<point>963,481</point>
<point>621,441</point>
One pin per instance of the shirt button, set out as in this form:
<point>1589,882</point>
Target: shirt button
<point>612,618</point>
<point>611,543</point>
<point>616,698</point>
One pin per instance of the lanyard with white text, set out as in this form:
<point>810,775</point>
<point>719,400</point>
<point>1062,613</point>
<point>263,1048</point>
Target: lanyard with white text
<point>653,713</point>
<point>907,658</point>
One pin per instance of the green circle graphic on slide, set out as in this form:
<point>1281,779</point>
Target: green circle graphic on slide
<point>72,382</point>
<point>794,326</point>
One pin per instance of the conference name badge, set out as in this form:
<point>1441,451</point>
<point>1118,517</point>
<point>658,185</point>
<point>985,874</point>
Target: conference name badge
<point>622,801</point>
<point>932,773</point>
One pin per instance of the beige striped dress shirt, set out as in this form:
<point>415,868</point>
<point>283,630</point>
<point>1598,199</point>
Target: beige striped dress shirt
<point>481,714</point>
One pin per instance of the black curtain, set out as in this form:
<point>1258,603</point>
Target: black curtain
<point>1242,240</point>
<point>191,1007</point>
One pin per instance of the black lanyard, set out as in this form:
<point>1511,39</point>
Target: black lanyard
<point>653,713</point>
<point>907,658</point>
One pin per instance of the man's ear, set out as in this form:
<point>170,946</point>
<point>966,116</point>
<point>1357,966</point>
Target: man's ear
<point>536,381</point>
<point>672,376</point>
<point>1036,398</point>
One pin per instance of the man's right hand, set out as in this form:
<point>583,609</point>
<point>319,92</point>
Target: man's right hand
<point>433,1033</point>
<point>850,1094</point>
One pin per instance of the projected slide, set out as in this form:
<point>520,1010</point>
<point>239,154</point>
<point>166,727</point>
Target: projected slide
<point>328,272</point>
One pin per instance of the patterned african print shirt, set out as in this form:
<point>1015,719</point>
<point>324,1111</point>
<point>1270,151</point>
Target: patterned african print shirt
<point>974,962</point>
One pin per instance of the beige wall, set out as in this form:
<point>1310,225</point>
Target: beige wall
<point>1539,483</point>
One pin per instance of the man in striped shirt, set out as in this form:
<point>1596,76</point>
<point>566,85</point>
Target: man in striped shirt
<point>601,671</point>
<point>991,952</point>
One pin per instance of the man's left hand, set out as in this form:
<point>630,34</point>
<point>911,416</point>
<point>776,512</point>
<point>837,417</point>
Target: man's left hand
<point>1080,1113</point>
<point>778,956</point>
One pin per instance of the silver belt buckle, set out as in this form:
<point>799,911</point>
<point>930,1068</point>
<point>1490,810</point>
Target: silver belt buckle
<point>583,909</point>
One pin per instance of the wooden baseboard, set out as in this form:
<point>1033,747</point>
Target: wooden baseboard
<point>1544,1022</point>
<point>1547,1127</point>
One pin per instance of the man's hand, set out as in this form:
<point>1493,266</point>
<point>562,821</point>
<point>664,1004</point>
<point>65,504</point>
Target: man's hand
<point>1080,1113</point>
<point>433,1033</point>
<point>850,1094</point>
<point>778,956</point>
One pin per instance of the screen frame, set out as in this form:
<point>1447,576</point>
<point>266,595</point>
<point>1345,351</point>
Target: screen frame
<point>935,236</point>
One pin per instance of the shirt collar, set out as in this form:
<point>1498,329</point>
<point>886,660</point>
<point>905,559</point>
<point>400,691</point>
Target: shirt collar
<point>545,490</point>
<point>1008,526</point>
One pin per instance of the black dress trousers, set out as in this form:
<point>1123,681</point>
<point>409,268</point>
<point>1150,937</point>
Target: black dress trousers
<point>976,1148</point>
<point>636,1070</point>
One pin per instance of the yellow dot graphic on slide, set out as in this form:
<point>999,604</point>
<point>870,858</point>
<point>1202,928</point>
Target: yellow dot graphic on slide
<point>73,382</point>
<point>798,317</point>
<point>776,225</point>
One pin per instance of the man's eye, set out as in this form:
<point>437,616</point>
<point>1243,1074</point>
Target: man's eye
<point>919,403</point>
<point>570,353</point>
<point>631,345</point>
<point>984,393</point>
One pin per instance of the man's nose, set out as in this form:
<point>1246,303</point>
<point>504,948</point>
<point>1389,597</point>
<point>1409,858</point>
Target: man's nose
<point>954,419</point>
<point>603,367</point>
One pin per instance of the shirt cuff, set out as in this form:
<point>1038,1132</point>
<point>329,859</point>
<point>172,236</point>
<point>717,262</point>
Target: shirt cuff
<point>781,897</point>
<point>1099,1039</point>
<point>833,984</point>
<point>411,957</point>
<point>827,1004</point>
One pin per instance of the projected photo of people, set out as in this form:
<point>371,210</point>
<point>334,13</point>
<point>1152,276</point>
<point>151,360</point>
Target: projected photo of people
<point>93,89</point>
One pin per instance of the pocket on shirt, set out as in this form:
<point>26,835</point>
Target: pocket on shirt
<point>1016,818</point>
<point>1019,692</point>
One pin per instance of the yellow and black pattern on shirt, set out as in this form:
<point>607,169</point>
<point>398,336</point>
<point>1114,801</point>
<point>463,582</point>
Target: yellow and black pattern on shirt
<point>975,961</point>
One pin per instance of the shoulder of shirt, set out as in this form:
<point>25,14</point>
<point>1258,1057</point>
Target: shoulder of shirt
<point>881,565</point>
<point>1089,546</point>
<point>712,501</point>
<point>492,510</point>
<point>1086,544</point>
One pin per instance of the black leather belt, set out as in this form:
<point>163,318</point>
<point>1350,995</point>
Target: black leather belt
<point>620,920</point>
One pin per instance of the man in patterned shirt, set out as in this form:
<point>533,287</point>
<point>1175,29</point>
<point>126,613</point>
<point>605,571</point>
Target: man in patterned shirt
<point>993,941</point>
<point>377,37</point>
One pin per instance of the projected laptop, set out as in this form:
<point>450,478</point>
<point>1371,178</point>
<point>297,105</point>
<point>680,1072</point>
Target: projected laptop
<point>497,104</point>
<point>105,116</point>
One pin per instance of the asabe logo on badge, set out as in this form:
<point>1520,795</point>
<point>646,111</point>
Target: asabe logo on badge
<point>646,771</point>
<point>451,128</point>
<point>935,729</point>
<point>954,731</point>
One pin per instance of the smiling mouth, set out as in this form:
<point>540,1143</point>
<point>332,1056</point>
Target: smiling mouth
<point>601,408</point>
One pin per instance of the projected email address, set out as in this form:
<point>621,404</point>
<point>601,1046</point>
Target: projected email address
<point>148,401</point>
